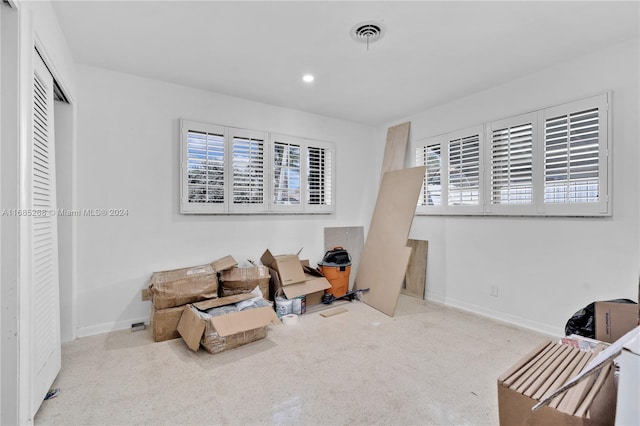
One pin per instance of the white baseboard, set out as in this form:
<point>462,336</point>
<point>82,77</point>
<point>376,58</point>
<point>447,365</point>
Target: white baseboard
<point>110,326</point>
<point>498,316</point>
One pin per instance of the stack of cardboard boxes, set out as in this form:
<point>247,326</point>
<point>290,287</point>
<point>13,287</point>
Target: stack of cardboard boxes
<point>182,297</point>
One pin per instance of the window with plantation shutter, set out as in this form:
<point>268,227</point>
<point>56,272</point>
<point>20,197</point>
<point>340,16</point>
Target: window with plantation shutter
<point>571,158</point>
<point>453,176</point>
<point>203,168</point>
<point>429,154</point>
<point>238,171</point>
<point>511,160</point>
<point>319,176</point>
<point>247,170</point>
<point>464,171</point>
<point>286,174</point>
<point>550,162</point>
<point>302,175</point>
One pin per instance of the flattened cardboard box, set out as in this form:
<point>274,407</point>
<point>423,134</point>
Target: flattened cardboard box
<point>178,287</point>
<point>288,266</point>
<point>227,331</point>
<point>613,320</point>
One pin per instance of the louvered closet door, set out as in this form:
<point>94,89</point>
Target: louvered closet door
<point>44,301</point>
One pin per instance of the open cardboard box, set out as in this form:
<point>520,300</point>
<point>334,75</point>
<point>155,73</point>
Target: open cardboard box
<point>536,378</point>
<point>613,320</point>
<point>288,267</point>
<point>227,331</point>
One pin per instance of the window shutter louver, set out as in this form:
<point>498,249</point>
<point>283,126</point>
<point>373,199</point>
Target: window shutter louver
<point>205,167</point>
<point>572,150</point>
<point>464,171</point>
<point>248,171</point>
<point>512,164</point>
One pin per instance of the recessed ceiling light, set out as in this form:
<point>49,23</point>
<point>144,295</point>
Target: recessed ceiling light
<point>307,78</point>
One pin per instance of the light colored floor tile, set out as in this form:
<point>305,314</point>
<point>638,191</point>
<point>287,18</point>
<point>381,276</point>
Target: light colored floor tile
<point>429,364</point>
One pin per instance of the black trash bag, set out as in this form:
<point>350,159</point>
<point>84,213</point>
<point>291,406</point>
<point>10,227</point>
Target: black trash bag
<point>583,322</point>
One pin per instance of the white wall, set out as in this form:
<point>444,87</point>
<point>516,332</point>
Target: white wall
<point>128,157</point>
<point>546,268</point>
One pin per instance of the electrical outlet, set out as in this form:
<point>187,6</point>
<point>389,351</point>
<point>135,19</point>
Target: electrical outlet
<point>494,291</point>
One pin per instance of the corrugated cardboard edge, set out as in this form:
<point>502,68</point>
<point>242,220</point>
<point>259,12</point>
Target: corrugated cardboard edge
<point>191,327</point>
<point>312,285</point>
<point>224,263</point>
<point>237,322</point>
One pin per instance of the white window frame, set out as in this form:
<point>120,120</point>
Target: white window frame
<point>268,205</point>
<point>538,206</point>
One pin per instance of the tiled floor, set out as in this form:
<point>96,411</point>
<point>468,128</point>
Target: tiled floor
<point>427,365</point>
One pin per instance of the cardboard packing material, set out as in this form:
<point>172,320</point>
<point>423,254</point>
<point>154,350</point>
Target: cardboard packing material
<point>313,289</point>
<point>288,267</point>
<point>312,285</point>
<point>164,323</point>
<point>613,320</point>
<point>181,286</point>
<point>224,263</point>
<point>227,331</point>
<point>244,280</point>
<point>537,375</point>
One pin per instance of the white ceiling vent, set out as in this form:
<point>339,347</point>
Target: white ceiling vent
<point>367,32</point>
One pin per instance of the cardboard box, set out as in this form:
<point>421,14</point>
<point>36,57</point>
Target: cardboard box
<point>227,331</point>
<point>539,373</point>
<point>313,288</point>
<point>164,323</point>
<point>244,280</point>
<point>181,286</point>
<point>628,403</point>
<point>224,263</point>
<point>613,320</point>
<point>288,267</point>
